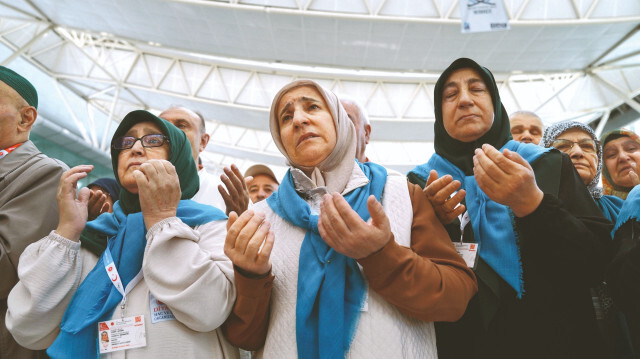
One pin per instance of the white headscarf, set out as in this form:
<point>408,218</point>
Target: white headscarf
<point>335,170</point>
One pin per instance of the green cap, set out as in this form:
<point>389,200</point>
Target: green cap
<point>20,84</point>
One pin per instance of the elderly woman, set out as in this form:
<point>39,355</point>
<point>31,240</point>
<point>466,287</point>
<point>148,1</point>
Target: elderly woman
<point>161,284</point>
<point>542,240</point>
<point>621,158</point>
<point>362,265</point>
<point>580,142</point>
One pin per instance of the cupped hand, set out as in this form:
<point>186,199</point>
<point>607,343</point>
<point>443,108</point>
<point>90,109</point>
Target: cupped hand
<point>439,192</point>
<point>507,178</point>
<point>249,242</point>
<point>343,229</point>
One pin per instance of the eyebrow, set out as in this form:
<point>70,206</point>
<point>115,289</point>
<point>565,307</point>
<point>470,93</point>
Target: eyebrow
<point>303,98</point>
<point>455,84</point>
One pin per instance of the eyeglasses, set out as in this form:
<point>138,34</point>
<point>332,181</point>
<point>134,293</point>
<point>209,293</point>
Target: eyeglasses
<point>586,145</point>
<point>123,143</point>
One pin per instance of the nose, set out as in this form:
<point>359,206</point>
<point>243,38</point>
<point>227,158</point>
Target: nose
<point>137,147</point>
<point>300,118</point>
<point>261,195</point>
<point>576,151</point>
<point>465,98</point>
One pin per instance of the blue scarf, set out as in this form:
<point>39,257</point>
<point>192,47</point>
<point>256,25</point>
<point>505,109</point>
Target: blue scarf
<point>610,206</point>
<point>331,289</point>
<point>630,209</point>
<point>491,221</point>
<point>96,298</point>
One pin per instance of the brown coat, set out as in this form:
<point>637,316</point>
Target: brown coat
<point>28,212</point>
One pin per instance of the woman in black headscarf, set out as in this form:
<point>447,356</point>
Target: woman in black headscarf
<point>542,240</point>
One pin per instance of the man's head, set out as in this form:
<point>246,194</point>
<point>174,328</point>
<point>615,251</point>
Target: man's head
<point>526,127</point>
<point>263,184</point>
<point>361,122</point>
<point>192,124</point>
<point>18,108</point>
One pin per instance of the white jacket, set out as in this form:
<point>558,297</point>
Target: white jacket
<point>183,267</point>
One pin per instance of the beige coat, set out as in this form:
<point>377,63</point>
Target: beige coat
<point>183,267</point>
<point>28,211</point>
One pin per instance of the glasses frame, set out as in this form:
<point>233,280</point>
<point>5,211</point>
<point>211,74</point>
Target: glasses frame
<point>596,144</point>
<point>141,139</point>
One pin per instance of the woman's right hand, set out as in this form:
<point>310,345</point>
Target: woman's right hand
<point>439,191</point>
<point>249,242</point>
<point>72,205</point>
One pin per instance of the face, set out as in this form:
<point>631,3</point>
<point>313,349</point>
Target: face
<point>467,109</point>
<point>261,187</point>
<point>526,128</point>
<point>189,122</point>
<point>586,163</point>
<point>130,159</point>
<point>622,156</point>
<point>306,126</point>
<point>105,337</point>
<point>363,130</point>
<point>10,116</point>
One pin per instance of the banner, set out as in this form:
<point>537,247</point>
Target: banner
<point>483,16</point>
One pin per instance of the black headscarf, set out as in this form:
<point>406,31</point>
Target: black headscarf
<point>461,153</point>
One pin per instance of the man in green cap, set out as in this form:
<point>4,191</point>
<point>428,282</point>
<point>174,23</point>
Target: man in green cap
<point>28,186</point>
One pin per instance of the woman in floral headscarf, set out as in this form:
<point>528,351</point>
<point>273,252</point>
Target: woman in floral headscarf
<point>621,158</point>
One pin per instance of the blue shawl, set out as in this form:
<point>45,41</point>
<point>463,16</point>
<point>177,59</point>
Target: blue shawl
<point>630,209</point>
<point>331,288</point>
<point>96,298</point>
<point>491,221</point>
<point>610,206</point>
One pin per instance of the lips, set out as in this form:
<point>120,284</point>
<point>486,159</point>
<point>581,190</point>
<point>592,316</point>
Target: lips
<point>627,168</point>
<point>468,117</point>
<point>305,137</point>
<point>131,164</point>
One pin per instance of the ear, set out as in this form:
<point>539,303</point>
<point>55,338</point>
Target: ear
<point>28,117</point>
<point>367,133</point>
<point>204,140</point>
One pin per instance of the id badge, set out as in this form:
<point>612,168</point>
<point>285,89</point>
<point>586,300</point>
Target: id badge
<point>160,312</point>
<point>469,252</point>
<point>121,334</point>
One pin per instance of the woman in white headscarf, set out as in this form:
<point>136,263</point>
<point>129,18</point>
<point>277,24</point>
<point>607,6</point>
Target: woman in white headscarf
<point>362,265</point>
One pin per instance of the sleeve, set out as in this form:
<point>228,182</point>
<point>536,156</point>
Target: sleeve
<point>429,281</point>
<point>30,213</point>
<point>567,236</point>
<point>624,270</point>
<point>247,325</point>
<point>50,271</point>
<point>187,269</point>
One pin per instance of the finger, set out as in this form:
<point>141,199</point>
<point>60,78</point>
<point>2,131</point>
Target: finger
<point>106,208</point>
<point>83,196</point>
<point>634,178</point>
<point>455,213</point>
<point>379,219</point>
<point>350,217</point>
<point>230,239</point>
<point>452,203</point>
<point>515,157</point>
<point>488,166</point>
<point>248,231</point>
<point>265,252</point>
<point>237,177</point>
<point>504,163</point>
<point>433,175</point>
<point>438,185</point>
<point>233,192</point>
<point>332,221</point>
<point>445,193</point>
<point>254,244</point>
<point>233,216</point>
<point>142,181</point>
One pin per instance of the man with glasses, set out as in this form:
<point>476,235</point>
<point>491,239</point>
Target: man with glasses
<point>28,186</point>
<point>235,196</point>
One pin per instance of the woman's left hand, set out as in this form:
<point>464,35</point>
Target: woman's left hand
<point>508,179</point>
<point>158,190</point>
<point>343,229</point>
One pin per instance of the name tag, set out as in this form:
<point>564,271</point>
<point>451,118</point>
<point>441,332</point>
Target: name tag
<point>159,311</point>
<point>469,252</point>
<point>121,334</point>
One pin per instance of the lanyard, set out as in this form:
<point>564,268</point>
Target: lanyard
<point>113,274</point>
<point>464,220</point>
<point>8,150</point>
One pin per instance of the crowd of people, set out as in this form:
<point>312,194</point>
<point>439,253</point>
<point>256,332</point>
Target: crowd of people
<point>501,245</point>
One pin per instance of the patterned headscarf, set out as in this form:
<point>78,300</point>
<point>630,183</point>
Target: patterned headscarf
<point>555,130</point>
<point>608,186</point>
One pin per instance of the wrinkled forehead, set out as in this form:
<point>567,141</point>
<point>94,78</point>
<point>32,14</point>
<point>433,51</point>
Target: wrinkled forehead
<point>465,75</point>
<point>143,128</point>
<point>303,93</point>
<point>619,141</point>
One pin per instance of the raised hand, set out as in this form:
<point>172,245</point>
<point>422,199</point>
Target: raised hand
<point>158,190</point>
<point>249,242</point>
<point>343,229</point>
<point>439,191</point>
<point>97,204</point>
<point>507,178</point>
<point>72,204</point>
<point>236,195</point>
